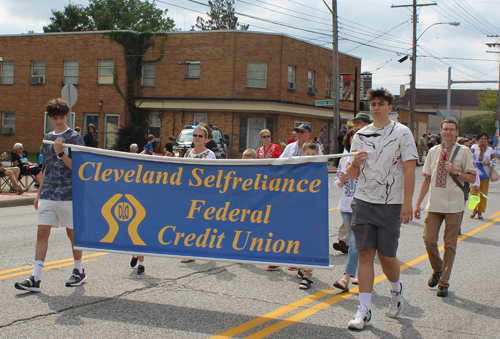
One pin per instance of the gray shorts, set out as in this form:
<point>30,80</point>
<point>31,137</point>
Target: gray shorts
<point>376,225</point>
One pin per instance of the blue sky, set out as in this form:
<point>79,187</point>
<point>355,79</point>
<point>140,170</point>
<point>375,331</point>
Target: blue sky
<point>369,29</point>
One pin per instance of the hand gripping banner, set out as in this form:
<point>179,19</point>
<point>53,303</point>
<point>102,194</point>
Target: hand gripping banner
<point>261,211</point>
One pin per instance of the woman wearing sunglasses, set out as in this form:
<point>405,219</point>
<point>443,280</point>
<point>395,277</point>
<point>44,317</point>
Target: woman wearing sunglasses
<point>268,150</point>
<point>200,151</point>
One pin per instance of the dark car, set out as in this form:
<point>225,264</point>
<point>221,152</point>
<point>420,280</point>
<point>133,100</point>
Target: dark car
<point>185,139</point>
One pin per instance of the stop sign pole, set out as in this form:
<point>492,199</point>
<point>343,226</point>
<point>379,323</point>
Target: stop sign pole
<point>69,94</point>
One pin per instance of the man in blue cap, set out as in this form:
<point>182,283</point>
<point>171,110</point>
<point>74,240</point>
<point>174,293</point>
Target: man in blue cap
<point>295,149</point>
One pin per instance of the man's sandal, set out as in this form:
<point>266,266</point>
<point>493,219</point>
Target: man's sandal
<point>300,274</point>
<point>305,284</point>
<point>342,284</point>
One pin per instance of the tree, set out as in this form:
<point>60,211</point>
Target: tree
<point>222,16</point>
<point>136,15</point>
<point>488,101</point>
<point>478,123</point>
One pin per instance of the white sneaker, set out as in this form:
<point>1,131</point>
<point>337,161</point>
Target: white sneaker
<point>362,318</point>
<point>396,304</point>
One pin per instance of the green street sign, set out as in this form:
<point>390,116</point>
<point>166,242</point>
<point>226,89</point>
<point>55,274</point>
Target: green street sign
<point>334,95</point>
<point>323,103</point>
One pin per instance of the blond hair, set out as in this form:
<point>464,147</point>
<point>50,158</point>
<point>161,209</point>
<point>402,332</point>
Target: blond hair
<point>250,152</point>
<point>264,131</point>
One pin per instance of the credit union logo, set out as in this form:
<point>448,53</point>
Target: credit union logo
<point>118,211</point>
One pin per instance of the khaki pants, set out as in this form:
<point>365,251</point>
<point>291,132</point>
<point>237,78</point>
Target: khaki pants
<point>483,188</point>
<point>433,223</point>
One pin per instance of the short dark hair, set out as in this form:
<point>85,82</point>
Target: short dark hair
<point>151,137</point>
<point>171,138</point>
<point>482,134</point>
<point>347,138</point>
<point>57,107</point>
<point>449,121</point>
<point>380,93</point>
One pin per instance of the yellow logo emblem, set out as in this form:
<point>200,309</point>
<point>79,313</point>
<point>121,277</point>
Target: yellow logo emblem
<point>123,211</point>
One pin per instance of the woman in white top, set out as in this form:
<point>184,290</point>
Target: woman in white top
<point>200,137</point>
<point>348,188</point>
<point>482,153</point>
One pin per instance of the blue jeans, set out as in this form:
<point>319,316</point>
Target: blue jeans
<point>352,256</point>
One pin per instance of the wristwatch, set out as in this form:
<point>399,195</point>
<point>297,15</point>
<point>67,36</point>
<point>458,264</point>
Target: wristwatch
<point>459,173</point>
<point>60,154</point>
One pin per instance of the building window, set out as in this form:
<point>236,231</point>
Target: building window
<point>8,122</point>
<point>7,73</point>
<point>310,78</point>
<point>291,73</point>
<point>105,73</point>
<point>328,93</point>
<point>111,127</point>
<point>49,127</point>
<point>71,72</point>
<point>148,73</point>
<point>257,74</point>
<point>155,125</point>
<point>38,68</point>
<point>200,117</point>
<point>192,69</point>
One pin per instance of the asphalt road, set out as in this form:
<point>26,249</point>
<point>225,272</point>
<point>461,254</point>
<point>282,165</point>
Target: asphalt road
<point>214,299</point>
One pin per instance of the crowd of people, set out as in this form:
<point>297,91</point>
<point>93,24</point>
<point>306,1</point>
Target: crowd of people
<point>375,198</point>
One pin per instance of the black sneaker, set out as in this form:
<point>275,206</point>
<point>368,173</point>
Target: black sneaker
<point>442,291</point>
<point>133,262</point>
<point>434,279</point>
<point>140,269</point>
<point>76,278</point>
<point>341,247</point>
<point>28,285</point>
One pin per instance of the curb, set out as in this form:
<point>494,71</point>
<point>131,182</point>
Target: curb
<point>15,202</point>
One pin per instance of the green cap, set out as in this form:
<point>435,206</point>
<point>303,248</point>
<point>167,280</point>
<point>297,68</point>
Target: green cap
<point>364,117</point>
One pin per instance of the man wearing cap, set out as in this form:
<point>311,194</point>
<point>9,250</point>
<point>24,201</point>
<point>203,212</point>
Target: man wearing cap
<point>360,121</point>
<point>295,149</point>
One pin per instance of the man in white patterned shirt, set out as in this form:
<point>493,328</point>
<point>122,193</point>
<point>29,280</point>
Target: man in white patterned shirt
<point>385,168</point>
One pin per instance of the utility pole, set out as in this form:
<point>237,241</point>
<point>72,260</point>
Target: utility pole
<point>498,103</point>
<point>413,89</point>
<point>335,76</point>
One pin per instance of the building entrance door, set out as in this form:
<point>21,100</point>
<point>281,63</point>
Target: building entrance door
<point>255,125</point>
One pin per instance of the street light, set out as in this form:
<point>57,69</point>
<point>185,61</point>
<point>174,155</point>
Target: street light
<point>413,89</point>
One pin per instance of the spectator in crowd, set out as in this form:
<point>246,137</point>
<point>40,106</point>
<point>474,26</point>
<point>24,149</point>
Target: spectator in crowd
<point>78,129</point>
<point>321,139</point>
<point>464,141</point>
<point>422,147</point>
<point>483,155</point>
<point>295,149</point>
<point>13,174</point>
<point>361,120</point>
<point>249,153</point>
<point>90,137</point>
<point>340,140</point>
<point>210,143</point>
<point>168,150</point>
<point>268,150</point>
<point>20,159</point>
<point>293,138</point>
<point>148,149</point>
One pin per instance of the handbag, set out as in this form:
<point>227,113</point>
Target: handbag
<point>494,176</point>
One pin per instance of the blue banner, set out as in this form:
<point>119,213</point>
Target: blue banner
<point>217,210</point>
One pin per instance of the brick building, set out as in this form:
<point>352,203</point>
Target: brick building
<point>238,80</point>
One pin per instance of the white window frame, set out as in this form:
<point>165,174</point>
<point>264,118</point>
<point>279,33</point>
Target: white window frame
<point>6,121</point>
<point>71,72</point>
<point>193,69</point>
<point>48,127</point>
<point>200,117</point>
<point>291,73</point>
<point>38,68</point>
<point>328,80</point>
<point>298,123</point>
<point>106,116</point>
<point>7,74</point>
<point>310,79</point>
<point>105,71</point>
<point>252,77</point>
<point>152,124</point>
<point>148,80</point>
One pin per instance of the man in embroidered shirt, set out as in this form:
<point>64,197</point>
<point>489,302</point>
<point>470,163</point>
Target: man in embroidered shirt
<point>446,201</point>
<point>385,168</point>
<point>295,149</point>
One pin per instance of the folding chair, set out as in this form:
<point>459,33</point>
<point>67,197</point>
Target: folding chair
<point>29,179</point>
<point>4,181</point>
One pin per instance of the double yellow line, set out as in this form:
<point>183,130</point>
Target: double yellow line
<point>273,315</point>
<point>15,272</point>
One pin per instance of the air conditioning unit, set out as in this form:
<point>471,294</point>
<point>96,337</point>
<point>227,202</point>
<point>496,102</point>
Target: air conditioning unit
<point>8,129</point>
<point>37,80</point>
<point>312,90</point>
<point>293,86</point>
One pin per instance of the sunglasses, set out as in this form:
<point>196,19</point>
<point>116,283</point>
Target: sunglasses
<point>198,135</point>
<point>302,131</point>
<point>265,136</point>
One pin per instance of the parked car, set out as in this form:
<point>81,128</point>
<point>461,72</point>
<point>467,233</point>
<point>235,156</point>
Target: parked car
<point>185,139</point>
